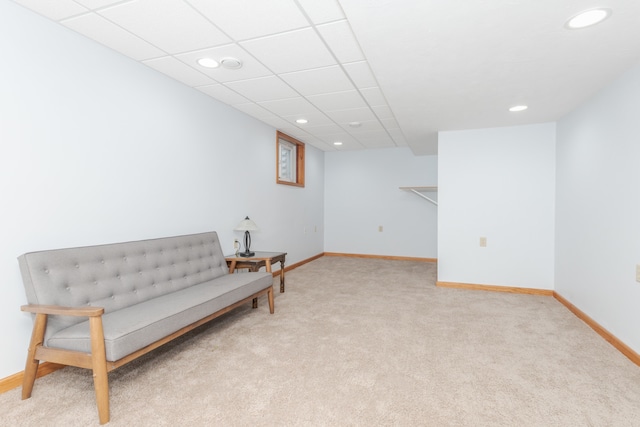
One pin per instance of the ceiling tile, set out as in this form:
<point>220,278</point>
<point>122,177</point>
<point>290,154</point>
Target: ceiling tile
<point>247,19</point>
<point>179,71</point>
<point>326,129</point>
<point>376,139</point>
<point>338,100</point>
<point>290,107</point>
<point>318,80</point>
<point>344,117</point>
<point>374,96</point>
<point>254,110</point>
<point>96,4</point>
<point>292,51</point>
<point>383,112</point>
<point>223,94</point>
<point>322,11</point>
<point>361,74</point>
<point>390,123</point>
<point>401,143</point>
<point>263,89</point>
<point>379,143</point>
<point>171,25</point>
<point>280,124</point>
<point>341,41</point>
<point>379,133</point>
<point>251,67</point>
<point>55,10</point>
<point>398,137</point>
<point>99,29</point>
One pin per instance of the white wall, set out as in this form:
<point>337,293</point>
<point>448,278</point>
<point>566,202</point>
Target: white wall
<point>598,208</point>
<point>96,148</point>
<point>500,184</point>
<point>362,192</point>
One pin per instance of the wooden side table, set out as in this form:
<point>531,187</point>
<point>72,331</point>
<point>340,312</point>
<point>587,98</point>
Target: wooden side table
<point>260,259</point>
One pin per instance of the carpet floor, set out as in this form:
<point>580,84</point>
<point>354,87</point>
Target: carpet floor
<point>362,342</point>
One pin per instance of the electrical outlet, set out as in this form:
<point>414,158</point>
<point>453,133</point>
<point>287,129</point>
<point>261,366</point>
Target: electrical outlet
<point>236,244</point>
<point>483,242</point>
<point>380,228</point>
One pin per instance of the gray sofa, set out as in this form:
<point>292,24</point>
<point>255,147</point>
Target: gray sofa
<point>100,307</point>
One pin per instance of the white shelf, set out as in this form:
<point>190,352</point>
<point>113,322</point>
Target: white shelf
<point>423,189</point>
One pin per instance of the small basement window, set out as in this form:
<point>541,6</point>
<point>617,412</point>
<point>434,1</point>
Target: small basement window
<point>289,160</point>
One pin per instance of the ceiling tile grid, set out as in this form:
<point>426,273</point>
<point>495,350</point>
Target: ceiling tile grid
<point>338,100</point>
<point>117,38</point>
<point>179,71</point>
<point>302,62</point>
<point>291,51</point>
<point>55,10</point>
<point>172,25</point>
<point>250,19</point>
<point>223,94</point>
<point>96,4</point>
<point>341,41</point>
<point>290,107</point>
<point>320,12</point>
<point>255,110</point>
<point>318,80</point>
<point>268,88</point>
<point>403,69</point>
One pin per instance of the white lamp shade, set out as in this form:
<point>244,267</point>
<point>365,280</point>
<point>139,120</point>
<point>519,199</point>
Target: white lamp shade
<point>246,225</point>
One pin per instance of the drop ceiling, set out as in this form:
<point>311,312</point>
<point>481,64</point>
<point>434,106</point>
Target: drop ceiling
<point>402,69</point>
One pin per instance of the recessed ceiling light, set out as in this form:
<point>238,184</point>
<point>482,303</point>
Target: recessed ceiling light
<point>587,18</point>
<point>355,124</point>
<point>302,121</point>
<point>208,63</point>
<point>518,108</point>
<point>337,143</point>
<point>231,63</point>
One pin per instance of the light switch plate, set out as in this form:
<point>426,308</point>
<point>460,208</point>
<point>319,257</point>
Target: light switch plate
<point>637,272</point>
<point>483,242</point>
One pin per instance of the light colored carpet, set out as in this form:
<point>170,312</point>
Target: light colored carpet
<point>362,342</point>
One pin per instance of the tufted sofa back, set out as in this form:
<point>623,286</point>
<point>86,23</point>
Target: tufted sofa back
<point>118,275</point>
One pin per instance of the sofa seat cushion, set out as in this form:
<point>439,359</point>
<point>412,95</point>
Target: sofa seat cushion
<point>132,328</point>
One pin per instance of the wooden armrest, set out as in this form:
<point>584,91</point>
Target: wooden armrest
<point>64,311</point>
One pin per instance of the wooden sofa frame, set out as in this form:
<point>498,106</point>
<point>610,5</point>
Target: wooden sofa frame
<point>96,360</point>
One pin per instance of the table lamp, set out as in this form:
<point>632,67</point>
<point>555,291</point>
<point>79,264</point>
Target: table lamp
<point>247,225</point>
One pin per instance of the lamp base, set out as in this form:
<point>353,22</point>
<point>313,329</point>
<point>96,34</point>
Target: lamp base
<point>246,254</point>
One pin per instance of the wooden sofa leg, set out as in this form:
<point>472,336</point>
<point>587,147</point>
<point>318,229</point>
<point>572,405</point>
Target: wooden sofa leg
<point>99,364</point>
<point>31,366</point>
<point>270,298</point>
